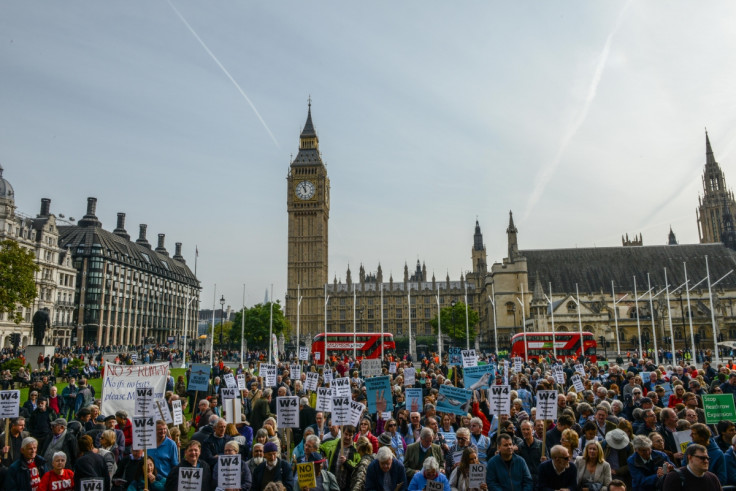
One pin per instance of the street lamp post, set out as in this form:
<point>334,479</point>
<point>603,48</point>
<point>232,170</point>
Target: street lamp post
<point>222,317</point>
<point>452,313</point>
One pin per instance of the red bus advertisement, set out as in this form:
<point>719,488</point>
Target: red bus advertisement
<point>539,345</point>
<point>365,344</point>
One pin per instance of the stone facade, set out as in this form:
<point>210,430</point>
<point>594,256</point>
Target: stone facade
<point>55,281</point>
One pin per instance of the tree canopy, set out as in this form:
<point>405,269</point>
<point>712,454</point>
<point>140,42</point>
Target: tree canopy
<point>453,322</point>
<point>257,323</point>
<point>17,284</point>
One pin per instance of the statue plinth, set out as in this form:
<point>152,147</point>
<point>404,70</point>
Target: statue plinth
<point>34,350</point>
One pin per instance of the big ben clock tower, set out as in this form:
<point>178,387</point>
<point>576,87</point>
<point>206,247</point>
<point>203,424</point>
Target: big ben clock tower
<point>308,207</point>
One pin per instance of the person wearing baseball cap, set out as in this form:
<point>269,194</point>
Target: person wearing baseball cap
<point>60,440</point>
<point>272,469</point>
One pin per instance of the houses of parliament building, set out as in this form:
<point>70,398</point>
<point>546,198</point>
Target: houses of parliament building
<point>592,289</point>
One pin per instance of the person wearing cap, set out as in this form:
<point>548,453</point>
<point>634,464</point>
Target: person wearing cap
<point>60,440</point>
<point>191,459</point>
<point>110,424</point>
<point>126,426</point>
<point>272,469</point>
<point>39,424</point>
<point>246,480</point>
<point>618,450</point>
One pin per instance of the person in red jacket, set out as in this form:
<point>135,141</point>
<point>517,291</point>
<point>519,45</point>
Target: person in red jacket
<point>126,426</point>
<point>58,478</point>
<point>365,430</point>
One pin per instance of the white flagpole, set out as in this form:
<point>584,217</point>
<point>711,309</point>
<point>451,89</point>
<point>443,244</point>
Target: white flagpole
<point>651,314</point>
<point>492,298</point>
<point>669,316</point>
<point>552,310</point>
<point>615,317</point>
<point>636,308</point>
<point>689,316</point>
<point>523,323</point>
<point>327,299</point>
<point>355,338</point>
<point>271,359</point>
<point>242,330</point>
<point>408,300</point>
<point>381,286</point>
<point>712,314</point>
<point>439,324</point>
<point>467,321</point>
<point>298,311</point>
<point>580,322</point>
<point>212,337</point>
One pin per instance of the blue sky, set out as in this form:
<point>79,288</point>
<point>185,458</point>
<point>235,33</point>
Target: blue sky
<point>585,118</point>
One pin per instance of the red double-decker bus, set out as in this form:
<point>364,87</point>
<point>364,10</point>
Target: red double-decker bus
<point>364,344</point>
<point>539,345</point>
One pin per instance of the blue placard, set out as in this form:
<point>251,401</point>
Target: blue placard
<point>456,357</point>
<point>414,400</point>
<point>199,379</point>
<point>476,378</point>
<point>454,400</point>
<point>379,388</point>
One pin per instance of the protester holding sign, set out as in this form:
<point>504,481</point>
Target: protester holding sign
<point>156,482</point>
<point>231,457</point>
<point>90,465</point>
<point>191,462</point>
<point>430,478</point>
<point>58,478</point>
<point>460,479</point>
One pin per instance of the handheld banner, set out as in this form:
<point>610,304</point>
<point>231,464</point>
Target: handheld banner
<point>241,382</point>
<point>178,413</point>
<point>311,382</point>
<point>230,382</point>
<point>478,377</point>
<point>144,432</point>
<point>547,404</point>
<point>341,411</point>
<point>324,399</point>
<point>305,475</point>
<point>121,381</point>
<point>199,379</point>
<point>287,412</point>
<point>341,387</point>
<point>370,368</point>
<point>144,402</point>
<point>190,478</point>
<point>295,371</point>
<point>470,359</point>
<point>303,353</point>
<point>414,400</point>
<point>499,398</point>
<point>378,393</point>
<point>453,400</point>
<point>9,403</point>
<point>228,471</point>
<point>410,374</point>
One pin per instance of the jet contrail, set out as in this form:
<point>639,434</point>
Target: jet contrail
<point>224,70</point>
<point>546,173</point>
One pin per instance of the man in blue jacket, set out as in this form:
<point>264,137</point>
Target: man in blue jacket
<point>730,457</point>
<point>386,472</point>
<point>506,471</point>
<point>646,465</point>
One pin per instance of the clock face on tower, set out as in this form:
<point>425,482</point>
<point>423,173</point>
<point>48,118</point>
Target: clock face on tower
<point>304,190</point>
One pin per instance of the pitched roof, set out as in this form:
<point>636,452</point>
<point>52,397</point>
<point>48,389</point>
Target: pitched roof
<point>593,269</point>
<point>94,240</point>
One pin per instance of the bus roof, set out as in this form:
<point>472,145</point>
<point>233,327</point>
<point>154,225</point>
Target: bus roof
<point>350,334</point>
<point>566,333</point>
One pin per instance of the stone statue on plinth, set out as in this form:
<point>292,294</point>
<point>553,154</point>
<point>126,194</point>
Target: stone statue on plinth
<point>41,322</point>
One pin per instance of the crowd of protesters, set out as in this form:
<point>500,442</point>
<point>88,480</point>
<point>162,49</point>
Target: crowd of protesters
<point>620,432</point>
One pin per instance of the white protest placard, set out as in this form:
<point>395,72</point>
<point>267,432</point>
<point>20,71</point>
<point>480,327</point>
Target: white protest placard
<point>241,382</point>
<point>324,399</point>
<point>229,393</point>
<point>547,404</point>
<point>470,359</point>
<point>517,364</point>
<point>434,486</point>
<point>559,374</point>
<point>287,412</point>
<point>91,484</point>
<point>341,411</point>
<point>144,401</point>
<point>120,382</point>
<point>505,372</point>
<point>268,372</point>
<point>341,387</point>
<point>303,353</point>
<point>577,382</point>
<point>178,413</point>
<point>683,439</point>
<point>162,411</point>
<point>9,403</point>
<point>477,475</point>
<point>190,478</point>
<point>499,398</point>
<point>370,368</point>
<point>311,382</point>
<point>410,374</point>
<point>144,432</point>
<point>356,411</point>
<point>231,408</point>
<point>327,377</point>
<point>295,371</point>
<point>392,367</point>
<point>228,471</point>
<point>386,416</point>
<point>579,368</point>
<point>230,382</point>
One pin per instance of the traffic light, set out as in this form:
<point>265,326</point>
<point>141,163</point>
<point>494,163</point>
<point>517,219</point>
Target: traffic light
<point>15,339</point>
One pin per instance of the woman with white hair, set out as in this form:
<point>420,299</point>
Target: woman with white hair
<point>59,478</point>
<point>430,472</point>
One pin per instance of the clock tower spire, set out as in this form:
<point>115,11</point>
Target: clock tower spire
<point>308,209</point>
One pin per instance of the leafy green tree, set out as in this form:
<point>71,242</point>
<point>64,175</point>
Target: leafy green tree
<point>256,325</point>
<point>223,329</point>
<point>17,284</point>
<point>453,322</point>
